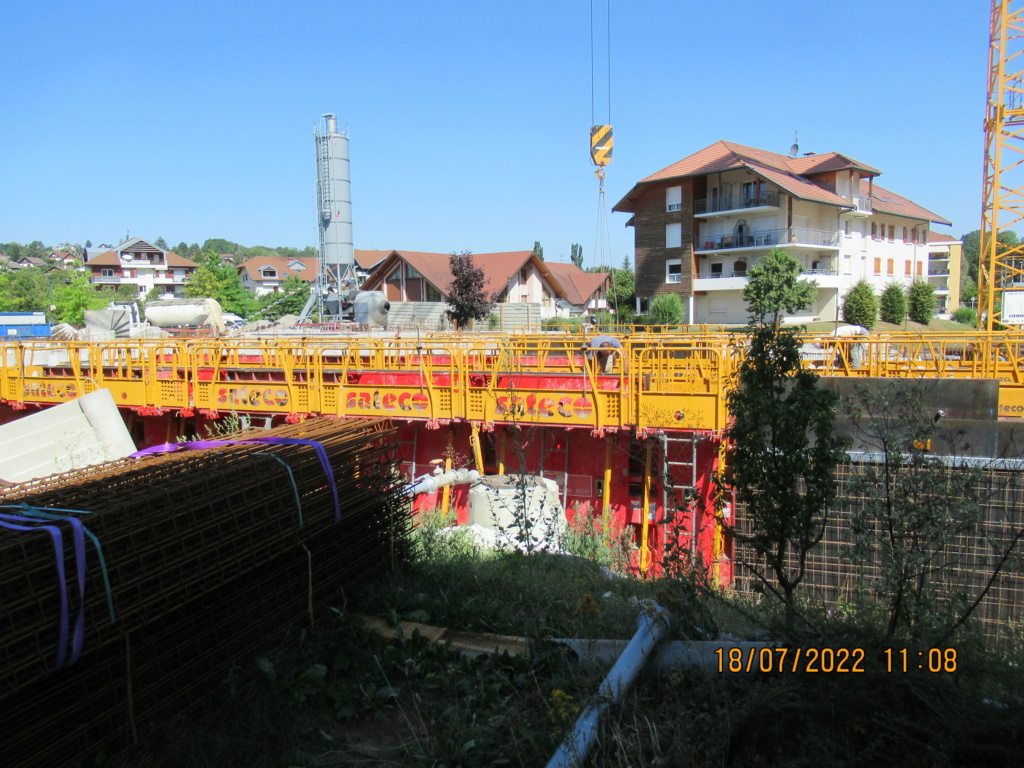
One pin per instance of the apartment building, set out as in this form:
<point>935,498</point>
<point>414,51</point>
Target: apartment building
<point>141,264</point>
<point>701,223</point>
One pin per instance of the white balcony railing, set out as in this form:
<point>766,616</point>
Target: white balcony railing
<point>822,238</point>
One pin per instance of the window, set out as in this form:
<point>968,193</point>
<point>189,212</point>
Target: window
<point>906,267</point>
<point>716,307</point>
<point>874,230</point>
<point>878,266</point>
<point>906,235</point>
<point>268,272</point>
<point>749,193</point>
<point>673,235</point>
<point>920,268</point>
<point>674,271</point>
<point>524,273</point>
<point>890,265</point>
<point>674,199</point>
<point>432,293</point>
<point>107,272</point>
<point>892,233</point>
<point>716,269</point>
<point>411,273</point>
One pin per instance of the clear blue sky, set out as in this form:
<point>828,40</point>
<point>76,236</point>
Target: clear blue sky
<point>469,121</point>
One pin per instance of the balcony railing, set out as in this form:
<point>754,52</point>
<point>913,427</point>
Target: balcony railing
<point>744,272</point>
<point>108,279</point>
<point>941,272</point>
<point>861,203</point>
<point>735,202</point>
<point>771,237</point>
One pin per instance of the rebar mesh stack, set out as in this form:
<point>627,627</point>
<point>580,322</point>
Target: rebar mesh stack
<point>210,554</point>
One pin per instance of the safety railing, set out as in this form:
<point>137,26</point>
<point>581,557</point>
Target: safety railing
<point>655,381</point>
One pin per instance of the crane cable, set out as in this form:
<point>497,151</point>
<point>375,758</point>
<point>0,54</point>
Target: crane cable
<point>601,143</point>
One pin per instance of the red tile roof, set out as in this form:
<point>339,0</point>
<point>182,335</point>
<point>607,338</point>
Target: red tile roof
<point>112,259</point>
<point>578,284</point>
<point>936,238</point>
<point>370,259</point>
<point>497,267</point>
<point>280,263</point>
<point>792,174</point>
<point>884,201</point>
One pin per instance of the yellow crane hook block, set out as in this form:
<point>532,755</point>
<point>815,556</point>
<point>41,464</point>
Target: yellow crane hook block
<point>601,142</point>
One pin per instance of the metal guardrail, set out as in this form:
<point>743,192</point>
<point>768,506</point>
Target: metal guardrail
<point>735,202</point>
<point>658,380</point>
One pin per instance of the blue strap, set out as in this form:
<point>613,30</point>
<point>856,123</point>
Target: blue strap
<point>58,547</point>
<point>47,513</point>
<point>273,440</point>
<point>291,476</point>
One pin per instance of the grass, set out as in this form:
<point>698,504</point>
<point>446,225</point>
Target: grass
<point>342,696</point>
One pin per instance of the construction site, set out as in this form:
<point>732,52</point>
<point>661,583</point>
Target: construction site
<point>262,463</point>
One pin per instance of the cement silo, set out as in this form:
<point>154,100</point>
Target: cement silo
<point>337,275</point>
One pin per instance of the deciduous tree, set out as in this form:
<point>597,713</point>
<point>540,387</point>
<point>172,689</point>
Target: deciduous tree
<point>774,288</point>
<point>467,299</point>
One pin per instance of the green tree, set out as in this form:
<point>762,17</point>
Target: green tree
<point>781,459</point>
<point>921,302</point>
<point>538,251</point>
<point>892,306</point>
<point>161,243</point>
<point>290,301</point>
<point>781,452</point>
<point>909,508</point>
<point>860,305</point>
<point>774,287</point>
<point>88,243</point>
<point>576,255</point>
<point>74,297</point>
<point>621,297</point>
<point>467,299</point>
<point>26,290</point>
<point>666,309</point>
<point>213,279</point>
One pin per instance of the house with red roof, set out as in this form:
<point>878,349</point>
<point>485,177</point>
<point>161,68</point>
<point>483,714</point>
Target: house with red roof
<point>513,276</point>
<point>701,223</point>
<point>141,264</point>
<point>266,274</point>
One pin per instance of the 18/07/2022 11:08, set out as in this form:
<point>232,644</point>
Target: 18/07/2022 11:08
<point>840,660</point>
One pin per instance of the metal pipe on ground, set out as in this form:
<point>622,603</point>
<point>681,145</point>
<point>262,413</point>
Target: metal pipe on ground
<point>652,626</point>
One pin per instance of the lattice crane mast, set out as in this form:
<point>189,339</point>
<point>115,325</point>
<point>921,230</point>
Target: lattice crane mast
<point>1001,267</point>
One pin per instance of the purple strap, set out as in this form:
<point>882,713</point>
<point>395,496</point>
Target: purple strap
<point>202,444</point>
<point>58,548</point>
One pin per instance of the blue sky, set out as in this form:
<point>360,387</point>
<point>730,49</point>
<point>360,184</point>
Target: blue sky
<point>469,121</point>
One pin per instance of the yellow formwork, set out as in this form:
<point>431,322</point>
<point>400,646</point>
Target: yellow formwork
<point>657,381</point>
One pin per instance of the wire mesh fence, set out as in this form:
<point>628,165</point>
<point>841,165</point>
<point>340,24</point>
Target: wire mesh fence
<point>208,555</point>
<point>981,561</point>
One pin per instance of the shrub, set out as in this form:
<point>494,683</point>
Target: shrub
<point>921,302</point>
<point>860,306</point>
<point>562,323</point>
<point>965,316</point>
<point>892,306</point>
<point>666,309</point>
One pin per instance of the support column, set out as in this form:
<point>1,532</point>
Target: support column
<point>645,549</point>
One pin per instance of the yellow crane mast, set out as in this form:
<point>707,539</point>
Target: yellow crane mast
<point>1001,267</point>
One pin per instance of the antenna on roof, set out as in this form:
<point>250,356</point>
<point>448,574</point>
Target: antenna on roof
<point>795,149</point>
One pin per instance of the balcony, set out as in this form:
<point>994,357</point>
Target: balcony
<point>861,205</point>
<point>106,279</point>
<point>718,206</point>
<point>793,236</point>
<point>736,280</point>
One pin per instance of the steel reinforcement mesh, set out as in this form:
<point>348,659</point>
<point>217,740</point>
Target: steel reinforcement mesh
<point>963,569</point>
<point>210,555</point>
